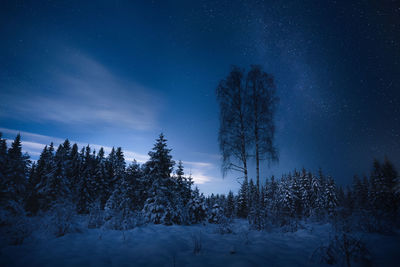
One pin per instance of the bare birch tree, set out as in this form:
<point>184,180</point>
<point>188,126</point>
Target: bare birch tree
<point>247,108</point>
<point>234,122</point>
<point>263,102</point>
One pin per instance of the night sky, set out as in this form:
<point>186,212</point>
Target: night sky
<point>121,72</point>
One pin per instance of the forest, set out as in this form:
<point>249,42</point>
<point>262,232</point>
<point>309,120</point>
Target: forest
<point>71,189</point>
<point>66,185</point>
<point>199,133</point>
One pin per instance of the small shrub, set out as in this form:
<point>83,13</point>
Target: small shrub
<point>197,243</point>
<point>344,249</point>
<point>96,216</point>
<point>19,231</point>
<point>62,219</point>
<point>224,226</point>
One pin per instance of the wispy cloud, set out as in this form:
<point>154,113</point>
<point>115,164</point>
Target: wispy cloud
<point>79,90</point>
<point>199,171</point>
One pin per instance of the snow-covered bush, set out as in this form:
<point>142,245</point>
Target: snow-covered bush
<point>181,213</point>
<point>118,220</point>
<point>96,215</point>
<point>216,214</point>
<point>15,226</point>
<point>257,219</point>
<point>225,226</point>
<point>11,210</point>
<point>157,211</point>
<point>118,212</point>
<point>15,233</point>
<point>62,219</point>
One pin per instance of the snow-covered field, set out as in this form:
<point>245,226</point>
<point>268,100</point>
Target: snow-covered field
<point>196,245</point>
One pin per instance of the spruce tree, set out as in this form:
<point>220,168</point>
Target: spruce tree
<point>100,174</point>
<point>158,206</point>
<point>46,171</point>
<point>3,168</point>
<point>118,208</point>
<point>230,205</point>
<point>88,185</point>
<point>243,200</point>
<point>134,177</point>
<point>305,192</point>
<point>286,197</point>
<point>331,197</point>
<point>197,207</point>
<point>17,170</point>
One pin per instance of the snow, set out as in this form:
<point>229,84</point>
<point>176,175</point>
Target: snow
<point>160,245</point>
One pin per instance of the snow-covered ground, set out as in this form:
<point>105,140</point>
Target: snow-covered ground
<point>159,245</point>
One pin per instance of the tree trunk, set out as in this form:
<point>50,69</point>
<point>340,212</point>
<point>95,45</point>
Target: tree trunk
<point>256,136</point>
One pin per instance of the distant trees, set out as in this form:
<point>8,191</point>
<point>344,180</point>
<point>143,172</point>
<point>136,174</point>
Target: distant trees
<point>93,183</point>
<point>247,107</point>
<point>66,181</point>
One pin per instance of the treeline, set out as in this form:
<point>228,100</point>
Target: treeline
<point>109,192</point>
<point>89,182</point>
<point>370,204</point>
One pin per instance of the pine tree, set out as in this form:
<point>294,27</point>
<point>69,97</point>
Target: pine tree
<point>60,186</point>
<point>158,206</point>
<point>377,193</point>
<point>253,196</point>
<point>360,189</point>
<point>100,175</point>
<point>197,207</point>
<point>256,215</point>
<point>17,170</point>
<point>120,164</point>
<point>74,172</point>
<point>286,197</point>
<point>295,184</point>
<point>46,171</point>
<point>181,186</point>
<point>14,172</point>
<point>3,169</point>
<point>390,175</point>
<point>87,187</point>
<point>118,208</point>
<point>216,214</point>
<point>319,198</point>
<point>230,205</point>
<point>110,173</point>
<point>331,197</point>
<point>243,200</point>
<point>271,197</point>
<point>305,192</point>
<point>134,176</point>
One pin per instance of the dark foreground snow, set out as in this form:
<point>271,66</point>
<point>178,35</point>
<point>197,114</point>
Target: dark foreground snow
<point>196,245</point>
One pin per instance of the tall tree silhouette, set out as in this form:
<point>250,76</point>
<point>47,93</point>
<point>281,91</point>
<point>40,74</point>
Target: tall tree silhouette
<point>263,101</point>
<point>234,128</point>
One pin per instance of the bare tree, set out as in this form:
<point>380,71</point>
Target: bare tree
<point>247,108</point>
<point>234,122</point>
<point>263,101</point>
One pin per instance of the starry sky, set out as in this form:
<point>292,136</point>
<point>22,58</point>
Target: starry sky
<point>117,73</point>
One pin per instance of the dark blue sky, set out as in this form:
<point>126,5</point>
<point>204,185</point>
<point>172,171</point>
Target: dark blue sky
<point>119,73</point>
